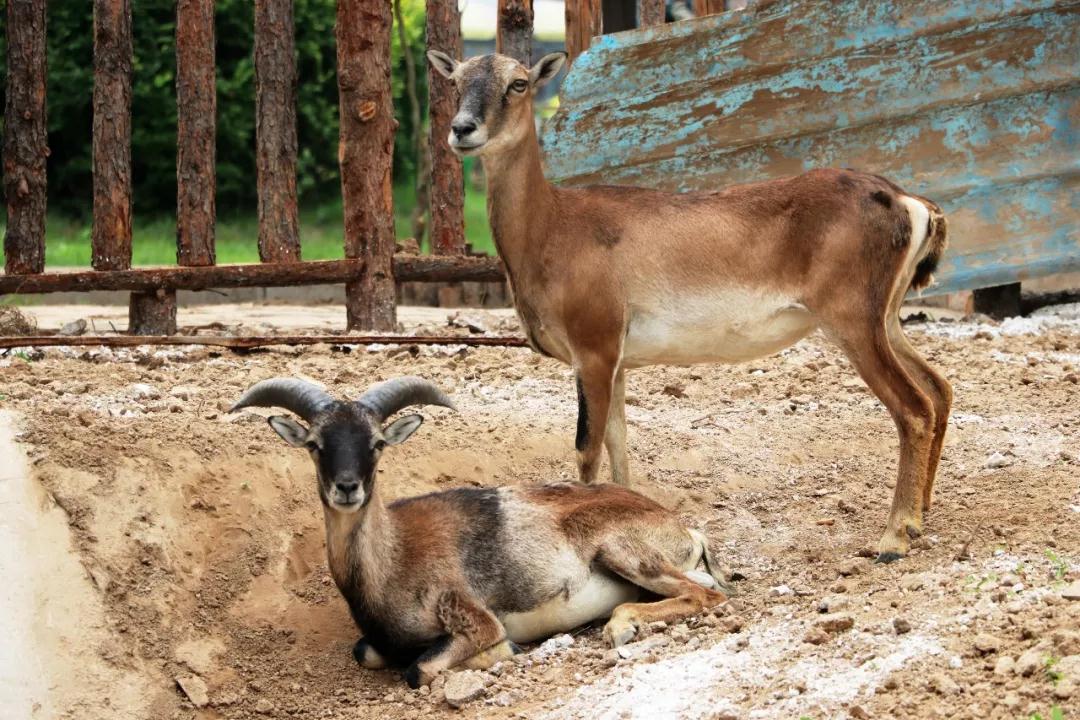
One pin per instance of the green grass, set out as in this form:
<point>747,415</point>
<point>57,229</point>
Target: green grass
<point>67,241</point>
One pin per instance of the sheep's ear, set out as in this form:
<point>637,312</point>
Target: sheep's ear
<point>291,431</point>
<point>399,431</point>
<point>443,63</point>
<point>546,68</point>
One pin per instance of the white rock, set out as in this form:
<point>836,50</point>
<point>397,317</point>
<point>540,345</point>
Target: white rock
<point>1072,592</point>
<point>464,687</point>
<point>552,645</point>
<point>997,460</point>
<point>195,689</point>
<point>141,391</point>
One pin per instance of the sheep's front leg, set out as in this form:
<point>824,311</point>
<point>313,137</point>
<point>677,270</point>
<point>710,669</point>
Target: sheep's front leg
<point>367,656</point>
<point>474,636</point>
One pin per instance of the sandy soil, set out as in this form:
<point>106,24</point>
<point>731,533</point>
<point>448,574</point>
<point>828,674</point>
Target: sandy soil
<point>189,545</point>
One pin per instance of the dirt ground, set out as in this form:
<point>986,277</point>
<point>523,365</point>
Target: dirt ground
<point>201,588</point>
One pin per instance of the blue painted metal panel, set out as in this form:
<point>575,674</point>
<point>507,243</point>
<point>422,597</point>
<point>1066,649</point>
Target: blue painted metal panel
<point>973,103</point>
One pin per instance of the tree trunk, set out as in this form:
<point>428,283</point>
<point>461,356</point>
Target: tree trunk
<point>366,153</point>
<point>275,130</point>
<point>196,105</point>
<point>25,137</point>
<point>515,30</point>
<point>447,184</point>
<point>111,241</point>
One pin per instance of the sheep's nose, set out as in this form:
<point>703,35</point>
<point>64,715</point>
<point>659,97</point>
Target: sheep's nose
<point>462,128</point>
<point>347,488</point>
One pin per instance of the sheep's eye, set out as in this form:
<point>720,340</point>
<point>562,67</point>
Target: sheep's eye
<point>519,86</point>
<point>379,445</point>
<point>312,446</point>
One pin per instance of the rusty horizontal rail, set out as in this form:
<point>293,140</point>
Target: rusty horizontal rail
<point>255,341</point>
<point>419,268</point>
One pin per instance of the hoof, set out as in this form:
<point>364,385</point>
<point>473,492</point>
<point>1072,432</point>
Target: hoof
<point>366,656</point>
<point>359,650</point>
<point>619,633</point>
<point>888,557</point>
<point>412,676</point>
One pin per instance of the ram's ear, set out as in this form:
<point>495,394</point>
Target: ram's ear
<point>443,63</point>
<point>399,431</point>
<point>546,68</point>
<point>291,431</point>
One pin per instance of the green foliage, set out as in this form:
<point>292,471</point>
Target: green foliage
<point>70,49</point>
<point>1056,713</point>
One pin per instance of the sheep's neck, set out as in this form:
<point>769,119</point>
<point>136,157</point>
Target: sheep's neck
<point>360,547</point>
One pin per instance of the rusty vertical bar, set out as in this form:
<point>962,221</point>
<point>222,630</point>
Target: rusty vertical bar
<point>650,12</point>
<point>515,30</point>
<point>708,7</point>
<point>25,137</point>
<point>366,155</point>
<point>275,130</point>
<point>447,181</point>
<point>583,23</point>
<point>111,236</point>
<point>196,105</point>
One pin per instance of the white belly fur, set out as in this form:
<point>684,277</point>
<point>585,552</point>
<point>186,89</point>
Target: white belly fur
<point>732,325</point>
<point>594,600</point>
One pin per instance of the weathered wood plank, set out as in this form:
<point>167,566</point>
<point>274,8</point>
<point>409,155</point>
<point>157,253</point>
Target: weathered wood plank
<point>152,313</point>
<point>275,131</point>
<point>764,36</point>
<point>366,155</point>
<point>515,30</point>
<point>407,268</point>
<point>196,153</point>
<point>1008,56</point>
<point>247,343</point>
<point>583,23</point>
<point>111,233</point>
<point>25,137</point>
<point>447,181</point>
<point>650,12</point>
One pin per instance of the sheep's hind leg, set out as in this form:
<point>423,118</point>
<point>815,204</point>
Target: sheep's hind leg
<point>649,569</point>
<point>367,656</point>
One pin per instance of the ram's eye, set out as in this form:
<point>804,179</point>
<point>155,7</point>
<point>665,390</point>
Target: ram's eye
<point>519,85</point>
<point>379,445</point>
<point>312,446</point>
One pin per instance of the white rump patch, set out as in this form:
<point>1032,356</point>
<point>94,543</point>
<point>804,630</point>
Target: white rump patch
<point>920,219</point>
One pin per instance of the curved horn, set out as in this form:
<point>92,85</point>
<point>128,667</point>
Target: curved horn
<point>388,397</point>
<point>298,396</point>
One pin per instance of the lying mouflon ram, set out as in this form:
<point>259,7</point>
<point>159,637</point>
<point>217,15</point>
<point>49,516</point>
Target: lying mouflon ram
<point>455,578</point>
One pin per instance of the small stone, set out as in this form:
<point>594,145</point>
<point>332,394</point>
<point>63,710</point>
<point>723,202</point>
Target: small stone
<point>1072,592</point>
<point>1004,665</point>
<point>912,582</point>
<point>816,636</point>
<point>143,391</point>
<point>75,327</point>
<point>677,390</point>
<point>833,603</point>
<point>610,658</point>
<point>1029,662</point>
<point>1065,689</point>
<point>901,626</point>
<point>853,566</point>
<point>463,687</point>
<point>997,460</point>
<point>779,591</point>
<point>184,392</point>
<point>731,624</point>
<point>657,626</point>
<point>1010,700</point>
<point>195,689</point>
<point>986,643</point>
<point>835,622</point>
<point>857,712</point>
<point>264,706</point>
<point>844,506</point>
<point>944,685</point>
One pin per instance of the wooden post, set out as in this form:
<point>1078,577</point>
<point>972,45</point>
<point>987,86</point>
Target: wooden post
<point>275,130</point>
<point>515,30</point>
<point>447,181</point>
<point>708,7</point>
<point>366,154</point>
<point>152,312</point>
<point>650,12</point>
<point>583,23</point>
<point>111,237</point>
<point>196,105</point>
<point>25,137</point>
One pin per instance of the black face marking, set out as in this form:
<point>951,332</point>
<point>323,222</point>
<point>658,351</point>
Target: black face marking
<point>478,83</point>
<point>582,418</point>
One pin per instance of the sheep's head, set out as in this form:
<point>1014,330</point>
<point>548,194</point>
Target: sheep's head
<point>345,439</point>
